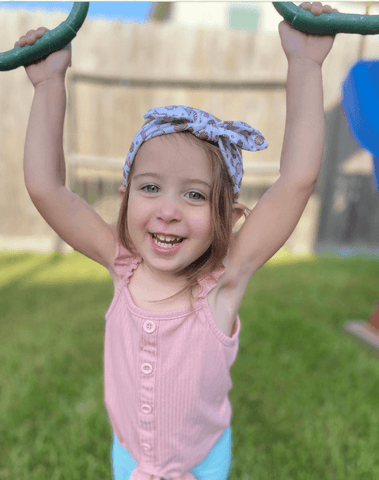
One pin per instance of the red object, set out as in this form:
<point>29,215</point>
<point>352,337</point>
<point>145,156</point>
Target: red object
<point>374,320</point>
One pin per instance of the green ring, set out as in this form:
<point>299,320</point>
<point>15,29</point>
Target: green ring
<point>50,42</point>
<point>327,23</point>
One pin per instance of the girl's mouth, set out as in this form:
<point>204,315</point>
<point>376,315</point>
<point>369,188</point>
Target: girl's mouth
<point>165,248</point>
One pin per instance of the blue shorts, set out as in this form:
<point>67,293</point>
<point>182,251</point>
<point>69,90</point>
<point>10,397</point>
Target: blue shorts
<point>215,466</point>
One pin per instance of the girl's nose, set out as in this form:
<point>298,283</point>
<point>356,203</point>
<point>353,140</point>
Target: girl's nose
<point>169,209</point>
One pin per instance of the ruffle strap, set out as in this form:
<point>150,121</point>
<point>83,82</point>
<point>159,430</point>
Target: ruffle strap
<point>138,474</point>
<point>209,282</point>
<point>125,263</point>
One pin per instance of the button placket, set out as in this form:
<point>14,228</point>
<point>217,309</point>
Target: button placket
<point>148,362</point>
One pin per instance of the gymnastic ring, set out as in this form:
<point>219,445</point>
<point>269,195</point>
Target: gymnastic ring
<point>50,42</point>
<point>327,23</point>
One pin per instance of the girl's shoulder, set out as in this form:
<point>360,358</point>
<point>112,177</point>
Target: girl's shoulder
<point>123,263</point>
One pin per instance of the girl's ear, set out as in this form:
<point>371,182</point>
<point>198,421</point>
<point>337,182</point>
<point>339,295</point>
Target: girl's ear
<point>121,191</point>
<point>239,209</point>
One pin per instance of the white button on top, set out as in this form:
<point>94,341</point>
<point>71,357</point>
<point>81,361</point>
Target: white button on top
<point>146,446</point>
<point>149,326</point>
<point>146,368</point>
<point>146,409</point>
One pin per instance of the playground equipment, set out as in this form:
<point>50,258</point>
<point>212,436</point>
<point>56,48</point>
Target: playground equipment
<point>50,42</point>
<point>360,100</point>
<point>327,23</point>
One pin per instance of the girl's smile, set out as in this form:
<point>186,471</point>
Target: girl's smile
<point>165,249</point>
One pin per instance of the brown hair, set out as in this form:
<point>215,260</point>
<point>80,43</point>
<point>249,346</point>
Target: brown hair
<point>221,202</point>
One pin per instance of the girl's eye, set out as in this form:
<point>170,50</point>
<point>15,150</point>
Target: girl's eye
<point>143,188</point>
<point>196,193</point>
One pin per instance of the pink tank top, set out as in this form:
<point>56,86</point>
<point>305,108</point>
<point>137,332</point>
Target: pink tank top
<point>166,378</point>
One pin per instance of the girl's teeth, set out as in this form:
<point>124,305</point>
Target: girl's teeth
<point>165,245</point>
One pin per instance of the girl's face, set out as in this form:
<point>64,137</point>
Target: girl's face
<point>166,198</point>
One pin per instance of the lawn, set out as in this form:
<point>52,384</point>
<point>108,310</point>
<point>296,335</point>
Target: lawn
<point>305,396</point>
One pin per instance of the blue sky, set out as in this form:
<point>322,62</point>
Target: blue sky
<point>123,11</point>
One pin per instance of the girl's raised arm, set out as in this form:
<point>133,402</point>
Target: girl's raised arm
<point>44,166</point>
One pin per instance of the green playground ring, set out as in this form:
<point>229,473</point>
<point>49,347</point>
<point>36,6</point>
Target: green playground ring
<point>327,23</point>
<point>50,42</point>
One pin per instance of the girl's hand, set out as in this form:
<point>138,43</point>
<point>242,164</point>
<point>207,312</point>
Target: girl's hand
<point>306,46</point>
<point>50,67</point>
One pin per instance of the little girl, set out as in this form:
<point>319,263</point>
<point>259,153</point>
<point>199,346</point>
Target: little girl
<point>167,356</point>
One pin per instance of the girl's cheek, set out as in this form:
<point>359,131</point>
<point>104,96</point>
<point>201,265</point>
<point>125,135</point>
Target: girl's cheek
<point>201,225</point>
<point>139,212</point>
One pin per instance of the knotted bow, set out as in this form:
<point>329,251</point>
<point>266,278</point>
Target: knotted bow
<point>139,475</point>
<point>228,136</point>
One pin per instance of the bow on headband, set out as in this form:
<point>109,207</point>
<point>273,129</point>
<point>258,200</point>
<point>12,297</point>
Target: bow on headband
<point>228,136</point>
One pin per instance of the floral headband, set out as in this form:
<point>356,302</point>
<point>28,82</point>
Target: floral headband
<point>228,136</point>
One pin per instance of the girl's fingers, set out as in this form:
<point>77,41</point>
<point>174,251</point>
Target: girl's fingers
<point>40,31</point>
<point>317,8</point>
<point>22,41</point>
<point>31,37</point>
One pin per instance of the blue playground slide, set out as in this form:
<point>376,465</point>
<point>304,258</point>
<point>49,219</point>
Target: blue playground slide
<point>360,101</point>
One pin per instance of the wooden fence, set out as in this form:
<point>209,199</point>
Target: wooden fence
<point>119,71</point>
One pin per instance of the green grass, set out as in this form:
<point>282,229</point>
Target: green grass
<point>305,397</point>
